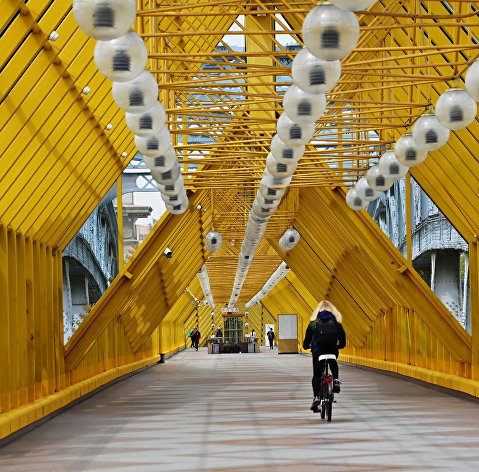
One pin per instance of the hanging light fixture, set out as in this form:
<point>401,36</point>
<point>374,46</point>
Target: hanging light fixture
<point>377,180</point>
<point>163,162</point>
<point>472,81</point>
<point>148,123</point>
<point>456,109</point>
<point>137,95</point>
<point>267,202</point>
<point>289,239</point>
<point>275,277</point>
<point>270,192</point>
<point>202,275</point>
<point>354,201</point>
<point>154,145</point>
<point>390,167</point>
<point>173,188</point>
<point>262,211</point>
<point>285,153</point>
<point>280,169</point>
<point>428,133</point>
<point>121,59</point>
<point>407,152</point>
<point>274,182</point>
<point>329,32</point>
<point>177,209</point>
<point>313,75</point>
<point>303,107</point>
<point>168,177</point>
<point>171,200</point>
<point>213,242</point>
<point>365,191</point>
<point>353,5</point>
<point>104,19</point>
<point>293,133</point>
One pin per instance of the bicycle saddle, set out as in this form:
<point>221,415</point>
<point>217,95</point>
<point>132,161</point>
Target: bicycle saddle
<point>323,357</point>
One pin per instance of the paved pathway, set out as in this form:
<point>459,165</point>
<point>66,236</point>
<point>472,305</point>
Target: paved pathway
<point>250,412</point>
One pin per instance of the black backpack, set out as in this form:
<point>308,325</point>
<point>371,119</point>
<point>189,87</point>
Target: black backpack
<point>326,334</point>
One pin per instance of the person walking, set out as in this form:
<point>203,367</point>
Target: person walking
<point>195,337</point>
<point>324,335</point>
<point>271,337</point>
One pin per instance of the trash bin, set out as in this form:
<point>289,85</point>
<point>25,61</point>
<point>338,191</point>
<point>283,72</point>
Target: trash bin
<point>251,347</point>
<point>216,348</point>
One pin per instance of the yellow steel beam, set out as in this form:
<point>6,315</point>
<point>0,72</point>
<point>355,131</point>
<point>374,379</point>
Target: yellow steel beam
<point>140,275</point>
<point>368,252</point>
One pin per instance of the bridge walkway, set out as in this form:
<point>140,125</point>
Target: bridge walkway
<point>250,412</point>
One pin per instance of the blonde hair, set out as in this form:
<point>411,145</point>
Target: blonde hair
<point>328,306</point>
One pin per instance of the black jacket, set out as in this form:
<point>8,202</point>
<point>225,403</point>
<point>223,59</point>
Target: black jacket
<point>310,341</point>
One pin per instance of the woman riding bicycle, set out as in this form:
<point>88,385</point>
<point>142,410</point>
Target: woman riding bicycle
<point>324,335</point>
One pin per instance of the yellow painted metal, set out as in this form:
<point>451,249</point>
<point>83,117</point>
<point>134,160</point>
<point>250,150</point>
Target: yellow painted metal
<point>57,161</point>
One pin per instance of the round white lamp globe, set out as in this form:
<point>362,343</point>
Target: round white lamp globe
<point>354,201</point>
<point>269,192</point>
<point>155,145</point>
<point>377,180</point>
<point>148,123</point>
<point>121,59</point>
<point>280,169</point>
<point>407,151</point>
<point>178,209</point>
<point>303,107</point>
<point>329,32</point>
<point>390,167</point>
<point>137,95</point>
<point>365,191</point>
<point>284,153</point>
<point>163,162</point>
<point>456,109</point>
<point>104,19</point>
<point>472,81</point>
<point>213,242</point>
<point>314,75</point>
<point>168,177</point>
<point>173,188</point>
<point>428,133</point>
<point>275,182</point>
<point>293,133</point>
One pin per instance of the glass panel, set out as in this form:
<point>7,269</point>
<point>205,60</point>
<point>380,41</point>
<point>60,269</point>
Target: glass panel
<point>233,329</point>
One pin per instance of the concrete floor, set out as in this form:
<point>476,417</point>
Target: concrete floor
<point>250,412</point>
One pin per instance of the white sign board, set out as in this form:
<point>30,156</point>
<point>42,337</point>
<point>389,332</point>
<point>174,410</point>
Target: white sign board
<point>288,326</point>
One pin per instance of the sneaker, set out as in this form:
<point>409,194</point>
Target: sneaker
<point>315,405</point>
<point>336,386</point>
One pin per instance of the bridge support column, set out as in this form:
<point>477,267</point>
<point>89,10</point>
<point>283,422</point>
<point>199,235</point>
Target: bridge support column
<point>445,281</point>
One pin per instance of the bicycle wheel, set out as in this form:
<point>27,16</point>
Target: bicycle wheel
<point>323,408</point>
<point>329,408</point>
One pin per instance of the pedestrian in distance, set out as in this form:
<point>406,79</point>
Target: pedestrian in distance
<point>271,337</point>
<point>324,335</point>
<point>189,333</point>
<point>219,333</point>
<point>195,337</point>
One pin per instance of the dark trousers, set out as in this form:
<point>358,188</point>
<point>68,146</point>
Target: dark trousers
<point>271,343</point>
<point>195,343</point>
<point>318,370</point>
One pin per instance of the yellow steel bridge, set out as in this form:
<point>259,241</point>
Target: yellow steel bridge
<point>58,160</point>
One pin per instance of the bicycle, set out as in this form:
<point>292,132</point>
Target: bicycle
<point>326,394</point>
